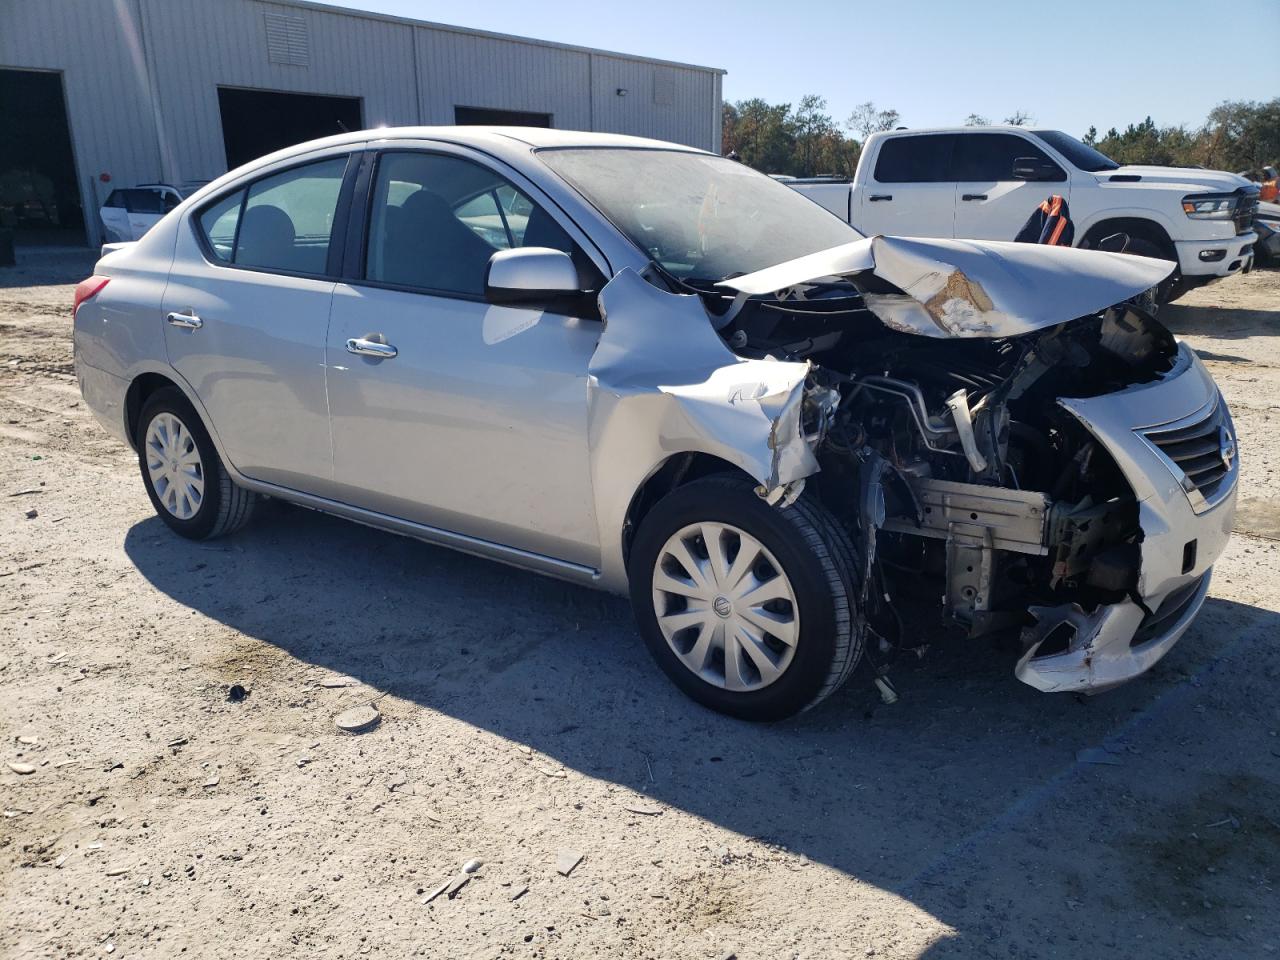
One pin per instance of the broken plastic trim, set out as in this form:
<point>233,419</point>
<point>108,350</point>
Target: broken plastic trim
<point>970,288</point>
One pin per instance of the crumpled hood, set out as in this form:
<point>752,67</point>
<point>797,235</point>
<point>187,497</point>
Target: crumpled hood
<point>970,288</point>
<point>1207,181</point>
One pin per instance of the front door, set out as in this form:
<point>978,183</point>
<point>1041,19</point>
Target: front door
<point>445,410</point>
<point>989,203</point>
<point>246,309</point>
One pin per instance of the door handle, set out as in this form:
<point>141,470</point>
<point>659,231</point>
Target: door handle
<point>974,196</point>
<point>880,196</point>
<point>371,348</point>
<point>188,321</point>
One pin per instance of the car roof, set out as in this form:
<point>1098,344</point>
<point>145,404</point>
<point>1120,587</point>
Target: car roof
<point>984,128</point>
<point>502,141</point>
<point>481,136</point>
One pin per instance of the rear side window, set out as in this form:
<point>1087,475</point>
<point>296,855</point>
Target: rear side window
<point>138,201</point>
<point>283,222</point>
<point>923,159</point>
<point>986,157</point>
<point>218,224</point>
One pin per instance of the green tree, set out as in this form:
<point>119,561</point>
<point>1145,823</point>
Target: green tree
<point>1241,135</point>
<point>867,119</point>
<point>813,126</point>
<point>760,133</point>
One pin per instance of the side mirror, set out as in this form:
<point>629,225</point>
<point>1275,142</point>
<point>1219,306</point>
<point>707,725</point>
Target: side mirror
<point>531,276</point>
<point>1032,168</point>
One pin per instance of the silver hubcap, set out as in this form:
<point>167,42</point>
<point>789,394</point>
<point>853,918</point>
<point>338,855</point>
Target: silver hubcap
<point>173,463</point>
<point>725,606</point>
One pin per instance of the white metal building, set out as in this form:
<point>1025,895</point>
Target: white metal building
<point>97,94</point>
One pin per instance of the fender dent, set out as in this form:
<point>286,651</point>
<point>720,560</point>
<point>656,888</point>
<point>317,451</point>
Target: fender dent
<point>661,381</point>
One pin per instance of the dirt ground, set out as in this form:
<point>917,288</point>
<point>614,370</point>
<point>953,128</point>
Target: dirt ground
<point>522,720</point>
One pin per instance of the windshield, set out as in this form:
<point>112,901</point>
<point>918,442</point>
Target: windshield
<point>1081,155</point>
<point>700,217</point>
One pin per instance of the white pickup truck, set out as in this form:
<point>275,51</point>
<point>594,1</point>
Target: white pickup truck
<point>983,183</point>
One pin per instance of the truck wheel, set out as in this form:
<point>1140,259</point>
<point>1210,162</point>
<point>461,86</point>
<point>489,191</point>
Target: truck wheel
<point>746,607</point>
<point>1171,287</point>
<point>189,487</point>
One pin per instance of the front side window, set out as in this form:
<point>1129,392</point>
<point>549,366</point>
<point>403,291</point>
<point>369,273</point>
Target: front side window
<point>436,220</point>
<point>1080,154</point>
<point>700,217</point>
<point>989,157</point>
<point>922,159</point>
<point>283,222</point>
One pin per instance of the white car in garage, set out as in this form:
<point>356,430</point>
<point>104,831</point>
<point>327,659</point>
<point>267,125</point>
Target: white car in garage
<point>131,211</point>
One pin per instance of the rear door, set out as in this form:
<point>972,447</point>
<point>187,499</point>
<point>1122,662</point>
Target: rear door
<point>115,217</point>
<point>246,310</point>
<point>910,192</point>
<point>990,203</point>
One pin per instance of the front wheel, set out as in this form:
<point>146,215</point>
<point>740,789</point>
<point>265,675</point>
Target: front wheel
<point>185,479</point>
<point>746,607</point>
<point>1169,289</point>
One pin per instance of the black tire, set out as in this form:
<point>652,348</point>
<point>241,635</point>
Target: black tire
<point>224,507</point>
<point>815,555</point>
<point>1170,288</point>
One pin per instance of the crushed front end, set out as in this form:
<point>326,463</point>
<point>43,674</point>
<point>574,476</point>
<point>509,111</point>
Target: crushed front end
<point>1063,483</point>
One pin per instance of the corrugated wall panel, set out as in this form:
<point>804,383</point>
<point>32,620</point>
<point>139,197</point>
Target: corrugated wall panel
<point>460,70</point>
<point>667,103</point>
<point>113,53</point>
<point>347,56</point>
<point>97,46</point>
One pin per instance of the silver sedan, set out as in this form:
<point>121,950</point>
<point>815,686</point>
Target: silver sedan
<point>641,367</point>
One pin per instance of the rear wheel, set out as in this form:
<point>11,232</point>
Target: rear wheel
<point>189,487</point>
<point>745,606</point>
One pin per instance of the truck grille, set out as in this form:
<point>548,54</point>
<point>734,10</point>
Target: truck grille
<point>1201,451</point>
<point>1245,211</point>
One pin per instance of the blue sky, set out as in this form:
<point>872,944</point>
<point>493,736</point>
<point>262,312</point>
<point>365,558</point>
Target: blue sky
<point>1069,64</point>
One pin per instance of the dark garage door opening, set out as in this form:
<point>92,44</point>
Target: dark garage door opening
<point>255,122</point>
<point>502,118</point>
<point>39,193</point>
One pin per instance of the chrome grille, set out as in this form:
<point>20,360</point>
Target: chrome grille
<point>1246,210</point>
<point>1201,451</point>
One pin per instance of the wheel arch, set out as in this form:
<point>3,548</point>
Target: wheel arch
<point>145,383</point>
<point>1138,227</point>
<point>675,471</point>
<point>141,388</point>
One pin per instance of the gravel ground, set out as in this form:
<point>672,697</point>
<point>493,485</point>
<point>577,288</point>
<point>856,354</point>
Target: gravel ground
<point>522,721</point>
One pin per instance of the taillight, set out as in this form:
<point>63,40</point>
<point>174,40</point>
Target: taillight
<point>87,289</point>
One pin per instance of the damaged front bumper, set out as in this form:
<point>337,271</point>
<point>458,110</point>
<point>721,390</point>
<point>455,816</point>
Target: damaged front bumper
<point>1185,516</point>
<point>1111,645</point>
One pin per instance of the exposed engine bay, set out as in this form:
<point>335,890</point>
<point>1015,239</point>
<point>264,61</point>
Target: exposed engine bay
<point>965,461</point>
<point>1008,437</point>
<point>946,453</point>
